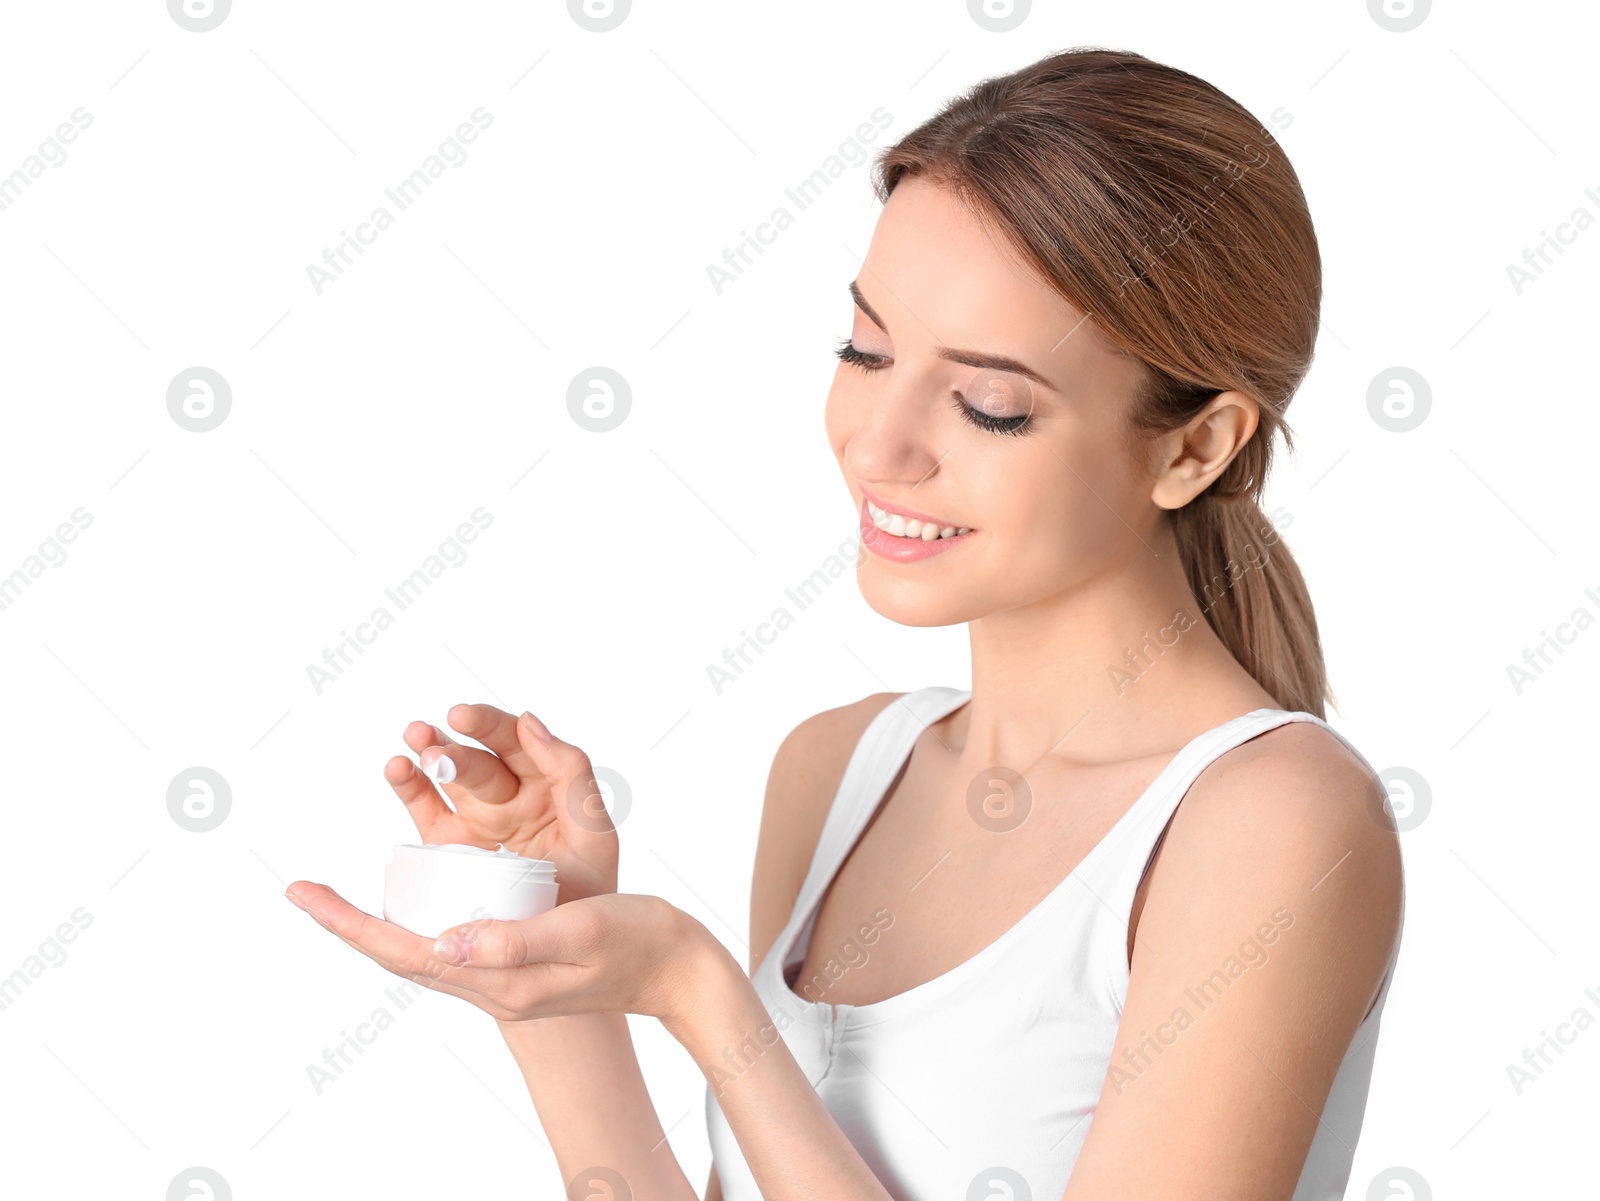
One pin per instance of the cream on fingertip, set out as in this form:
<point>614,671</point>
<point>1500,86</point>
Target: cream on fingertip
<point>442,770</point>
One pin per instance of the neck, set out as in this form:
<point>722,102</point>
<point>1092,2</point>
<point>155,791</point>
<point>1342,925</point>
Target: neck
<point>1121,666</point>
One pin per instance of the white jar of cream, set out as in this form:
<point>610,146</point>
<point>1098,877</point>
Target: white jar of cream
<point>429,888</point>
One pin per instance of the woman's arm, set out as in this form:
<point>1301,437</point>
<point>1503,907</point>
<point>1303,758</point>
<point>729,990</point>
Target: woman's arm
<point>582,1071</point>
<point>1223,1100</point>
<point>584,1078</point>
<point>772,1110</point>
<point>794,1148</point>
<point>586,1086</point>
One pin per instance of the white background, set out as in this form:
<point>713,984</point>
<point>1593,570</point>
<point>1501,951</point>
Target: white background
<point>430,379</point>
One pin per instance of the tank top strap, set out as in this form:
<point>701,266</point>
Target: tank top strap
<point>883,748</point>
<point>1117,874</point>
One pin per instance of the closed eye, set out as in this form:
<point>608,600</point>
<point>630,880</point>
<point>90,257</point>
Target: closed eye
<point>848,353</point>
<point>859,358</point>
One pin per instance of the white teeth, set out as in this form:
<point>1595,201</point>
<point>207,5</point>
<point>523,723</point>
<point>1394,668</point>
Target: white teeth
<point>901,527</point>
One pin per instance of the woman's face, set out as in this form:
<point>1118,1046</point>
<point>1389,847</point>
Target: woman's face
<point>940,419</point>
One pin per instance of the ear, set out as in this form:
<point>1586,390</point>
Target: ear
<point>1194,456</point>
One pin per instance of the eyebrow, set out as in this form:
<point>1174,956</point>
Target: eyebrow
<point>970,358</point>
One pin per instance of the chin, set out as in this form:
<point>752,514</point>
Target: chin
<point>908,602</point>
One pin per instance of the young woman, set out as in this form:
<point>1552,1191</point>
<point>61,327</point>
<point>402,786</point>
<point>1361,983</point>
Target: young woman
<point>992,953</point>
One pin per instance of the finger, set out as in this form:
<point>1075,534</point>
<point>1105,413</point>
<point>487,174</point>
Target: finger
<point>526,746</point>
<point>421,799</point>
<point>420,735</point>
<point>433,976</point>
<point>426,802</point>
<point>466,769</point>
<point>393,947</point>
<point>495,729</point>
<point>549,937</point>
<point>580,803</point>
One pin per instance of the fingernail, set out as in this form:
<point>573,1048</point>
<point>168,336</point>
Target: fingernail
<point>450,950</point>
<point>316,913</point>
<point>536,726</point>
<point>295,899</point>
<point>443,769</point>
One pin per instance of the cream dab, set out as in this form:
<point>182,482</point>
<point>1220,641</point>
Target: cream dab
<point>462,848</point>
<point>443,769</point>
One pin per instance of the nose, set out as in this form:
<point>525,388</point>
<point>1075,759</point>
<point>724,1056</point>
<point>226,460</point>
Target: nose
<point>894,440</point>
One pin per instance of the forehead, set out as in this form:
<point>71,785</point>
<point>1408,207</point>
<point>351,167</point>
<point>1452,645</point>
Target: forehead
<point>938,273</point>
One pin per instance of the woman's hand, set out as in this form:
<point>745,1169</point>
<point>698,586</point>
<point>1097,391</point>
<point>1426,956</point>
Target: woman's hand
<point>613,953</point>
<point>530,792</point>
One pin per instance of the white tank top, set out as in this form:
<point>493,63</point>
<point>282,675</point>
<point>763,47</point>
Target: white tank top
<point>994,1068</point>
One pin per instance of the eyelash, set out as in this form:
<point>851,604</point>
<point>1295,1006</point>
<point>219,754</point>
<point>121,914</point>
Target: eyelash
<point>848,353</point>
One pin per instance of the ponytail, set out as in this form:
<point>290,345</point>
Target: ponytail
<point>1252,594</point>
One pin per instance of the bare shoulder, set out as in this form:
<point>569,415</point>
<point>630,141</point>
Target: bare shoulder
<point>1299,789</point>
<point>805,775</point>
<point>1292,819</point>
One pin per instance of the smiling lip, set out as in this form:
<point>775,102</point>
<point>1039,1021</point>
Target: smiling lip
<point>908,514</point>
<point>897,549</point>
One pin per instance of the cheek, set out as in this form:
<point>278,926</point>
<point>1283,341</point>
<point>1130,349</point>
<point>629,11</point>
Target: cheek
<point>1026,498</point>
<point>1056,505</point>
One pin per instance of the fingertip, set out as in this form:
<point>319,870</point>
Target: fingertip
<point>398,769</point>
<point>534,726</point>
<point>304,894</point>
<point>419,734</point>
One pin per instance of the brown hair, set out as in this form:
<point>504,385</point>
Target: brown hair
<point>1163,209</point>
